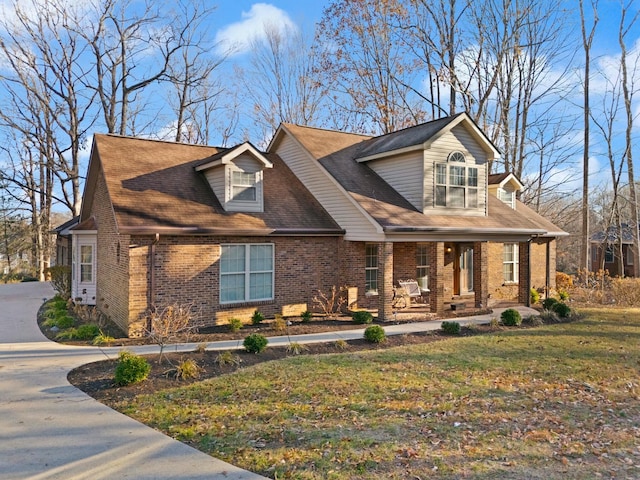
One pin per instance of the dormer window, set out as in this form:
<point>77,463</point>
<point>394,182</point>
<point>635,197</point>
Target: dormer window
<point>236,176</point>
<point>507,196</point>
<point>456,183</point>
<point>243,186</point>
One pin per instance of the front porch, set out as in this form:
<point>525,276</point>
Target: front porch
<point>453,277</point>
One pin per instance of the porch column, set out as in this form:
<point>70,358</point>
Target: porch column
<point>385,281</point>
<point>436,277</point>
<point>481,274</point>
<point>524,276</point>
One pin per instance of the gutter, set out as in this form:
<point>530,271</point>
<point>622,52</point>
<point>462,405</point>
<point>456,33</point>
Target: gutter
<point>261,232</point>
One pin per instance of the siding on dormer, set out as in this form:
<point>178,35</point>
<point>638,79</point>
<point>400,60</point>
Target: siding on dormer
<point>458,139</point>
<point>404,173</point>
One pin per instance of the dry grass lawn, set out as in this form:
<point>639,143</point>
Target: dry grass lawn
<point>560,401</point>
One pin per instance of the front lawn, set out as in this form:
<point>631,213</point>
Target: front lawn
<point>555,402</point>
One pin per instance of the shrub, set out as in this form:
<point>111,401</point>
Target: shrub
<point>279,324</point>
<point>548,303</point>
<point>549,316</point>
<point>131,368</point>
<point>60,276</point>
<point>563,295</point>
<point>257,317</point>
<point>535,296</point>
<point>188,369</point>
<point>227,358</point>
<point>374,334</point>
<point>563,281</point>
<point>296,348</point>
<point>562,309</point>
<point>64,321</point>
<point>452,328</point>
<point>306,316</point>
<point>494,323</point>
<point>535,320</point>
<point>330,303</point>
<point>88,331</point>
<point>341,344</point>
<point>626,291</point>
<point>511,317</point>
<point>235,324</point>
<point>103,339</point>
<point>362,317</point>
<point>255,343</point>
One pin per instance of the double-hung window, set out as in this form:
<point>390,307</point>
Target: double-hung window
<point>371,268</point>
<point>456,183</point>
<point>243,186</point>
<point>86,263</point>
<point>422,266</point>
<point>246,272</point>
<point>510,263</point>
<point>609,255</point>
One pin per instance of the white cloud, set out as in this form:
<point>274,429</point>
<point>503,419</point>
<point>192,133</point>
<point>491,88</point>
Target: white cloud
<point>236,38</point>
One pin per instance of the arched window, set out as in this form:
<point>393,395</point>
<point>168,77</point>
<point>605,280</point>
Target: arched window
<point>456,182</point>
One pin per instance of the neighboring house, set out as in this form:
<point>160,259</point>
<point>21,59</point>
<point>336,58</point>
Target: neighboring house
<point>232,230</point>
<point>605,251</point>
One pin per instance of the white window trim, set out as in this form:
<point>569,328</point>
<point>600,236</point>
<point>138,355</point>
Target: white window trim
<point>515,262</point>
<point>235,205</point>
<point>247,274</point>
<point>92,264</point>
<point>508,198</point>
<point>454,159</point>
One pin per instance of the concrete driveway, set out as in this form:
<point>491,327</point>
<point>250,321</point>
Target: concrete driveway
<point>51,430</point>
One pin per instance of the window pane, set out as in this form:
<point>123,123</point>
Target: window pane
<point>441,196</point>
<point>508,252</point>
<point>472,177</point>
<point>456,175</point>
<point>232,259</point>
<point>441,174</point>
<point>86,254</point>
<point>371,256</point>
<point>243,178</point>
<point>244,193</point>
<point>456,197</point>
<point>371,281</point>
<point>232,288</point>
<point>86,273</point>
<point>472,198</point>
<point>509,272</point>
<point>260,286</point>
<point>261,258</point>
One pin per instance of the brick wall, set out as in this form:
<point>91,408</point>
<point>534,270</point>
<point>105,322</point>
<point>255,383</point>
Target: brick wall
<point>186,271</point>
<point>112,262</point>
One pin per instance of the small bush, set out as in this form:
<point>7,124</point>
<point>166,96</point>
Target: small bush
<point>235,324</point>
<point>563,281</point>
<point>563,295</point>
<point>494,323</point>
<point>549,316</point>
<point>228,358</point>
<point>131,368</point>
<point>103,339</point>
<point>60,276</point>
<point>88,331</point>
<point>511,317</point>
<point>257,318</point>
<point>255,343</point>
<point>562,309</point>
<point>296,348</point>
<point>535,296</point>
<point>341,344</point>
<point>374,334</point>
<point>306,316</point>
<point>279,324</point>
<point>451,328</point>
<point>362,317</point>
<point>188,369</point>
<point>64,321</point>
<point>548,303</point>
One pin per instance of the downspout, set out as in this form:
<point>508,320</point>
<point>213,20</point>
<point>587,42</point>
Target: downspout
<point>152,277</point>
<point>528,286</point>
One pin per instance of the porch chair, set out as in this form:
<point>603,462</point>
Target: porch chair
<point>412,289</point>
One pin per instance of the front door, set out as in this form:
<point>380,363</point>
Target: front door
<point>463,268</point>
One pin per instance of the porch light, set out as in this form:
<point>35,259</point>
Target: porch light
<point>448,249</point>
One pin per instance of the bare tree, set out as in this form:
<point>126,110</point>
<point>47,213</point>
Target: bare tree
<point>367,67</point>
<point>628,89</point>
<point>587,41</point>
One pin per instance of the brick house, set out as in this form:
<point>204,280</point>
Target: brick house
<point>231,230</point>
<point>612,251</point>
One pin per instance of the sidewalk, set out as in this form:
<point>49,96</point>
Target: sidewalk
<point>51,430</point>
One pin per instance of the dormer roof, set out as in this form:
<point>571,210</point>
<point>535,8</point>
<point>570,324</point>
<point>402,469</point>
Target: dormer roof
<point>227,156</point>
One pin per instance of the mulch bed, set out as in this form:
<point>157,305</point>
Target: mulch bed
<point>97,379</point>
